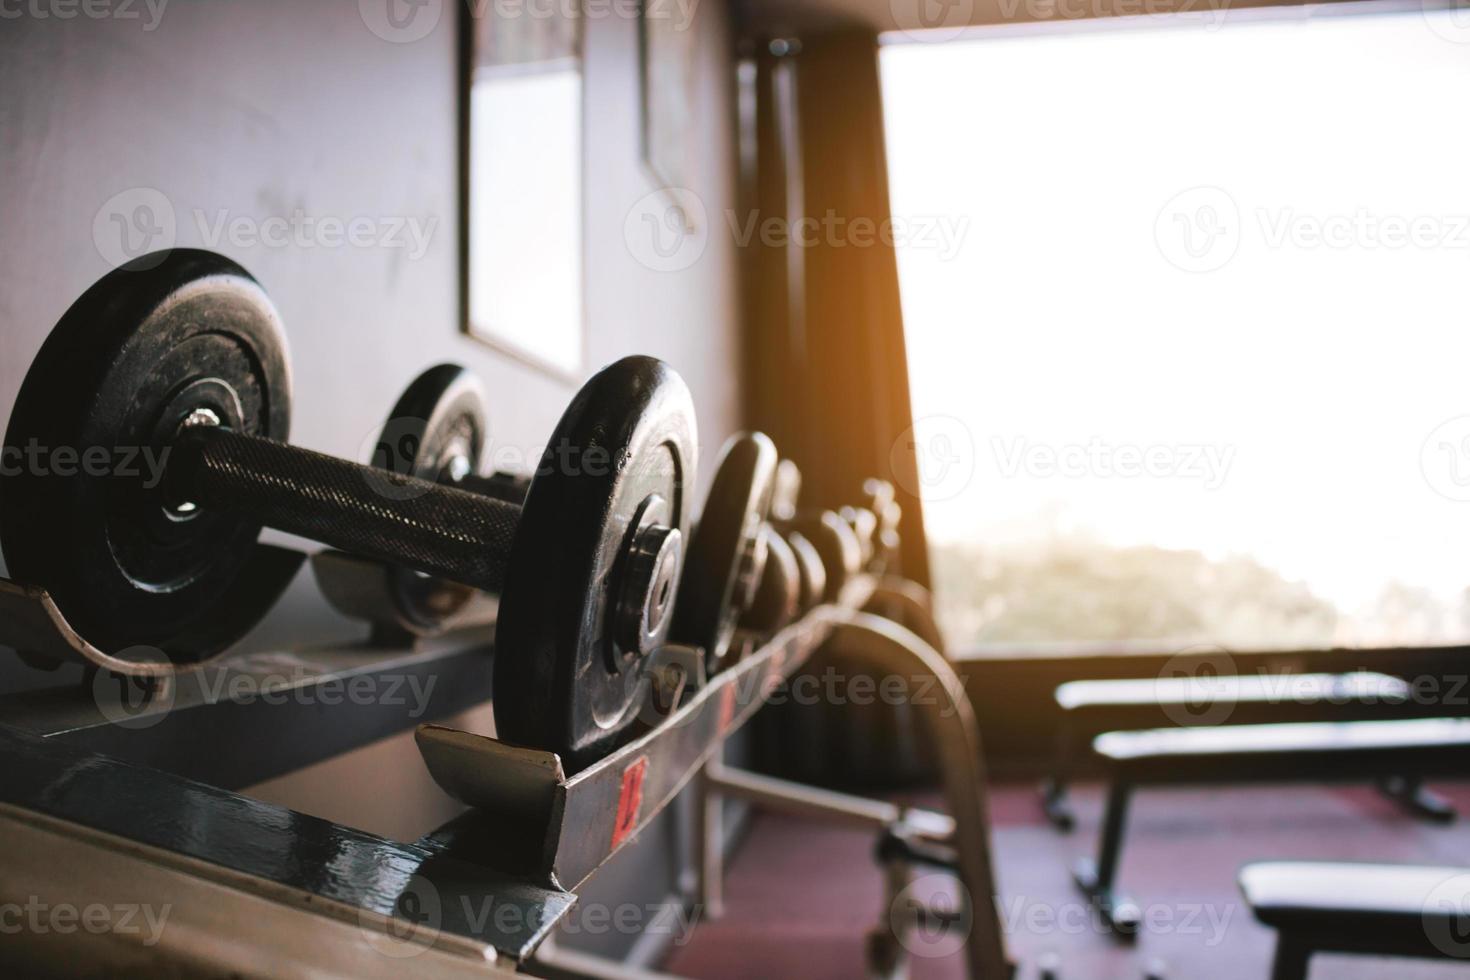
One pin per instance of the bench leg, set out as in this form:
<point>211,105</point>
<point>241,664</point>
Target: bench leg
<point>1055,806</point>
<point>1292,959</point>
<point>1096,878</point>
<point>1410,793</point>
<point>1054,790</point>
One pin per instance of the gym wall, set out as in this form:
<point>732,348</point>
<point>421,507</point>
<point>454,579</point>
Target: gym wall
<point>262,108</point>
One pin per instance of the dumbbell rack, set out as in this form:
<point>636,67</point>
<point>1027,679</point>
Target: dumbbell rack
<point>535,834</point>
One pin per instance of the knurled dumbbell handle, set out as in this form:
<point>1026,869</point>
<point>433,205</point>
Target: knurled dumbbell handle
<point>510,487</point>
<point>374,513</point>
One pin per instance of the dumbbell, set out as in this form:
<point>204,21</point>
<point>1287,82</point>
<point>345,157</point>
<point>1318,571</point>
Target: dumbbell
<point>186,356</point>
<point>728,551</point>
<point>438,430</point>
<point>777,599</point>
<point>811,575</point>
<point>882,500</point>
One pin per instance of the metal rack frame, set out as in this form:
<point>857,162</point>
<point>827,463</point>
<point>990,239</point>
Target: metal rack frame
<point>537,832</point>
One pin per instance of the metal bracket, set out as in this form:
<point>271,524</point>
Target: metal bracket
<point>560,829</point>
<point>31,622</point>
<point>362,588</point>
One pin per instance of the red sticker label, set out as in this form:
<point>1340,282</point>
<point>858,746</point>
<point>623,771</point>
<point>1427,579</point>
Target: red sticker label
<point>630,800</point>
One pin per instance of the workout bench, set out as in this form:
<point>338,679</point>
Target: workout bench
<point>1092,707</point>
<point>1372,909</point>
<point>1400,752</point>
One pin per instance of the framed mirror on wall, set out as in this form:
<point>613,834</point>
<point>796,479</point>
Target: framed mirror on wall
<point>669,56</point>
<point>522,163</point>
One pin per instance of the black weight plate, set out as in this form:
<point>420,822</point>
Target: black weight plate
<point>141,349</point>
<point>779,594</point>
<point>837,543</point>
<point>813,572</point>
<point>726,555</point>
<point>625,444</point>
<point>436,432</point>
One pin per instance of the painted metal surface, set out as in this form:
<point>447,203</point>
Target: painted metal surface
<point>274,846</point>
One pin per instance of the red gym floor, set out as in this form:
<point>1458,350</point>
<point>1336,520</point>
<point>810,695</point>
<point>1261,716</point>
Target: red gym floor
<point>801,895</point>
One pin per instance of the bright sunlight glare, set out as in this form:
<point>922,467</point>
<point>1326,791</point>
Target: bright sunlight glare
<point>1199,288</point>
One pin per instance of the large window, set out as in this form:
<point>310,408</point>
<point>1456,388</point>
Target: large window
<point>1188,327</point>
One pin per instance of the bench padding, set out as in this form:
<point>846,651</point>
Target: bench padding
<point>1282,689</point>
<point>1302,751</point>
<point>1394,909</point>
